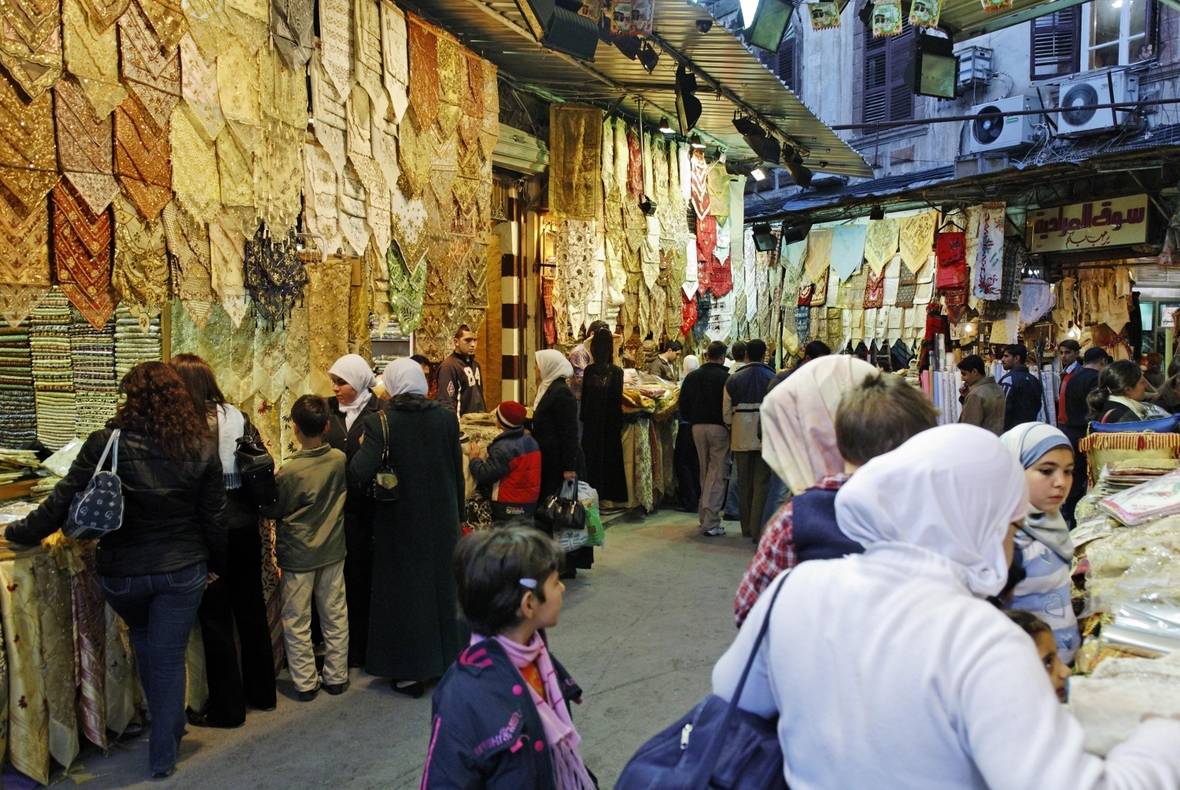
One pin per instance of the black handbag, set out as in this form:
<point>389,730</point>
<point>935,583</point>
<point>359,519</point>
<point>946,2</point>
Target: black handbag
<point>257,470</point>
<point>385,487</point>
<point>562,511</point>
<point>717,746</point>
<point>97,509</point>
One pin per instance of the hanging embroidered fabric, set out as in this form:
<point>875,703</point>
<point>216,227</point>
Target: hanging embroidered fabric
<point>235,163</point>
<point>291,23</point>
<point>950,252</point>
<point>848,249</point>
<point>82,255</point>
<point>84,147</point>
<point>423,88</point>
<point>907,286</point>
<point>336,49</point>
<point>819,253</point>
<point>142,158</point>
<point>881,240</point>
<point>396,56</point>
<point>874,291</point>
<point>377,203</point>
<point>407,291</point>
<point>367,58</point>
<point>989,267</point>
<point>28,160</point>
<point>452,70</point>
<point>274,274</point>
<point>409,229</point>
<point>238,81</point>
<point>321,186</point>
<point>819,291</point>
<point>207,22</point>
<point>278,175</point>
<point>805,293</point>
<point>198,88</point>
<point>140,270</point>
<point>167,20</point>
<point>91,50</point>
<point>575,187</point>
<point>1014,260</point>
<point>30,43</point>
<point>194,169</point>
<point>188,248</point>
<point>150,69</point>
<point>1036,301</point>
<point>24,245</point>
<point>915,235</point>
<point>227,242</point>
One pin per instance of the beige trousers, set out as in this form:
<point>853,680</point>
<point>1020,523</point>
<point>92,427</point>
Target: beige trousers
<point>326,586</point>
<point>712,443</point>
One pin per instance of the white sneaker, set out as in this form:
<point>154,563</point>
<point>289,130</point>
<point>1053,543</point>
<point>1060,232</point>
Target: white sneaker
<point>716,532</point>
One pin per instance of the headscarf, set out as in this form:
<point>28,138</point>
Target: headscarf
<point>554,366</point>
<point>951,491</point>
<point>404,377</point>
<point>354,370</point>
<point>1028,443</point>
<point>688,365</point>
<point>799,420</point>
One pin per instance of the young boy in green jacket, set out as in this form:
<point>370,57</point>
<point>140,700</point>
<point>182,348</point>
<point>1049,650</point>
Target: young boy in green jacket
<point>309,544</point>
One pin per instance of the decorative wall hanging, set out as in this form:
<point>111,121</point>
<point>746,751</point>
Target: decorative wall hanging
<point>238,81</point>
<point>84,147</point>
<point>377,204</point>
<point>881,243</point>
<point>192,275</point>
<point>353,212</point>
<point>151,71</point>
<point>409,229</point>
<point>336,48</point>
<point>874,291</point>
<point>367,56</point>
<point>278,176</point>
<point>407,290</point>
<point>320,190</point>
<point>1015,258</point>
<point>291,23</point>
<point>30,43</point>
<point>396,58</point>
<point>328,109</point>
<point>423,89</point>
<point>167,20</point>
<point>198,88</point>
<point>24,245</point>
<point>950,250</point>
<point>887,18</point>
<point>142,158</point>
<point>208,20</point>
<point>989,267</point>
<point>91,51</point>
<point>227,259</point>
<point>275,276</point>
<point>825,15</point>
<point>925,13</point>
<point>848,249</point>
<point>235,163</point>
<point>575,138</point>
<point>28,161</point>
<point>194,169</point>
<point>414,156</point>
<point>819,252</point>
<point>819,291</point>
<point>140,270</point>
<point>452,71</point>
<point>916,234</point>
<point>82,255</point>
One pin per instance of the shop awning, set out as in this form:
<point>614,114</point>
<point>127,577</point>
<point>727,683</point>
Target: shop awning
<point>966,18</point>
<point>730,77</point>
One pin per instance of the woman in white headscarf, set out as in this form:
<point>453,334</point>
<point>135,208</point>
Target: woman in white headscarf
<point>890,669</point>
<point>414,634</point>
<point>1046,548</point>
<point>554,426</point>
<point>688,365</point>
<point>352,383</point>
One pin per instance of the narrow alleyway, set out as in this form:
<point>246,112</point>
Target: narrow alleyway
<point>640,632</point>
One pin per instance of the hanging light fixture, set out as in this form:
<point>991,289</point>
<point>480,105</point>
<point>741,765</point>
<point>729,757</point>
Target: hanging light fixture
<point>695,142</point>
<point>648,57</point>
<point>688,106</point>
<point>877,213</point>
<point>758,174</point>
<point>666,126</point>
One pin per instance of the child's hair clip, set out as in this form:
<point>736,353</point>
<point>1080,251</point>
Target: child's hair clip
<point>530,583</point>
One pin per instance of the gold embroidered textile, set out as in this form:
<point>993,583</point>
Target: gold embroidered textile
<point>396,58</point>
<point>819,253</point>
<point>167,19</point>
<point>140,271</point>
<point>24,245</point>
<point>575,137</point>
<point>142,158</point>
<point>409,221</point>
<point>328,111</point>
<point>414,155</point>
<point>84,147</point>
<point>235,163</point>
<point>328,285</point>
<point>385,148</point>
<point>27,719</point>
<point>917,239</point>
<point>359,122</point>
<point>92,54</point>
<point>30,43</point>
<point>321,188</point>
<point>336,48</point>
<point>194,169</point>
<point>377,204</point>
<point>82,255</point>
<point>150,70</point>
<point>452,72</point>
<point>28,160</point>
<point>424,78</point>
<point>881,243</point>
<point>104,13</point>
<point>18,301</point>
<point>227,247</point>
<point>207,24</point>
<point>291,23</point>
<point>283,91</point>
<point>353,223</point>
<point>238,81</point>
<point>367,58</point>
<point>278,176</point>
<point>188,246</point>
<point>198,87</point>
<point>491,110</point>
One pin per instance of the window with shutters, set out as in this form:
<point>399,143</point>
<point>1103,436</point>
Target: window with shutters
<point>1115,33</point>
<point>1056,44</point>
<point>787,66</point>
<point>886,96</point>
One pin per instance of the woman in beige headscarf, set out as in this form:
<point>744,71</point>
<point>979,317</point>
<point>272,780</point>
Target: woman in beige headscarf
<point>800,445</point>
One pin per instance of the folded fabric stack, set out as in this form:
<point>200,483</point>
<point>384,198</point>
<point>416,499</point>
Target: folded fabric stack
<point>93,354</point>
<point>132,344</point>
<point>53,381</point>
<point>18,410</point>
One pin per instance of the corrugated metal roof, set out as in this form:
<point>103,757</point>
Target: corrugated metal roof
<point>967,18</point>
<point>730,77</point>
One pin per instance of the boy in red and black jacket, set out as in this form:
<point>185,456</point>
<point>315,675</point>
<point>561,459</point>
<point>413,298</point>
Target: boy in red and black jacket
<point>511,475</point>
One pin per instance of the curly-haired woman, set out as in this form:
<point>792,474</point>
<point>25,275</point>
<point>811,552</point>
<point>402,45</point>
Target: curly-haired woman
<point>153,570</point>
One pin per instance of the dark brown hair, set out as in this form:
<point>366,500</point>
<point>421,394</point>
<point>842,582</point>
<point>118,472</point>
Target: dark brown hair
<point>310,415</point>
<point>1115,379</point>
<point>1031,624</point>
<point>602,347</point>
<point>158,405</point>
<point>489,566</point>
<point>880,414</point>
<point>199,380</point>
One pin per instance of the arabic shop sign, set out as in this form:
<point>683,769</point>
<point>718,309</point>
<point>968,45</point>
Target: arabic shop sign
<point>1087,226</point>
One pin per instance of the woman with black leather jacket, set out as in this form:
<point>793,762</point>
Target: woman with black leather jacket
<point>153,569</point>
<point>353,381</point>
<point>236,599</point>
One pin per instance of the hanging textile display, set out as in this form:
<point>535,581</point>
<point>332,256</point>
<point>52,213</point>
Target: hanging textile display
<point>1036,301</point>
<point>819,291</point>
<point>167,20</point>
<point>423,88</point>
<point>274,275</point>
<point>194,168</point>
<point>915,236</point>
<point>192,274</point>
<point>84,146</point>
<point>848,249</point>
<point>24,245</point>
<point>874,292</point>
<point>82,255</point>
<point>993,6</point>
<point>150,68</point>
<point>320,192</point>
<point>1014,260</point>
<point>887,18</point>
<point>819,253</point>
<point>328,108</point>
<point>291,26</point>
<point>227,241</point>
<point>28,162</point>
<point>825,14</point>
<point>950,252</point>
<point>407,290</point>
<point>989,266</point>
<point>336,43</point>
<point>575,138</point>
<point>925,13</point>
<point>142,158</point>
<point>235,163</point>
<point>199,90</point>
<point>30,44</point>
<point>395,52</point>
<point>881,240</point>
<point>367,57</point>
<point>91,49</point>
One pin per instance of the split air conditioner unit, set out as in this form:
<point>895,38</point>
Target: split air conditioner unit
<point>1077,99</point>
<point>995,129</point>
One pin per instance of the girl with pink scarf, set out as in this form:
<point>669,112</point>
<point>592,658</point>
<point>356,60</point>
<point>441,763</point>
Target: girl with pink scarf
<point>501,718</point>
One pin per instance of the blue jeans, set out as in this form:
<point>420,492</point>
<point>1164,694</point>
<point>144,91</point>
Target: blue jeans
<point>159,611</point>
<point>775,499</point>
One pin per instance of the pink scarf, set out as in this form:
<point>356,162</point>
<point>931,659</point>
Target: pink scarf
<point>570,771</point>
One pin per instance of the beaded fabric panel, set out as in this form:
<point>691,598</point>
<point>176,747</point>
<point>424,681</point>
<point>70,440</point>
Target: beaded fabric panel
<point>92,55</point>
<point>320,190</point>
<point>278,176</point>
<point>451,72</point>
<point>423,89</point>
<point>167,20</point>
<point>142,158</point>
<point>396,57</point>
<point>328,286</point>
<point>283,91</point>
<point>208,21</point>
<point>30,43</point>
<point>188,248</point>
<point>140,271</point>
<point>194,169</point>
<point>150,70</point>
<point>82,255</point>
<point>235,163</point>
<point>227,243</point>
<point>28,156</point>
<point>198,86</point>
<point>336,51</point>
<point>104,13</point>
<point>238,81</point>
<point>291,23</point>
<point>85,147</point>
<point>368,59</point>
<point>24,245</point>
<point>275,275</point>
<point>409,219</point>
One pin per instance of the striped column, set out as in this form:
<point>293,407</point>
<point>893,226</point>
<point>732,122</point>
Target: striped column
<point>512,312</point>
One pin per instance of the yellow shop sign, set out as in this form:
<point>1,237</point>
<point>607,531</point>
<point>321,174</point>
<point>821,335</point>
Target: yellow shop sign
<point>1085,226</point>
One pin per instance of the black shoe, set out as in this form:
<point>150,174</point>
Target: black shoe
<point>203,719</point>
<point>413,689</point>
<point>164,774</point>
<point>568,573</point>
<point>730,517</point>
<point>335,689</point>
<point>308,696</point>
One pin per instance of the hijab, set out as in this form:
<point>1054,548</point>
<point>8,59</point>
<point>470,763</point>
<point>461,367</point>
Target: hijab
<point>799,420</point>
<point>554,366</point>
<point>688,365</point>
<point>354,370</point>
<point>1028,443</point>
<point>404,377</point>
<point>951,491</point>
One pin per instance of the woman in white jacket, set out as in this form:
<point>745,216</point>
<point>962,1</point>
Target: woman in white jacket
<point>889,669</point>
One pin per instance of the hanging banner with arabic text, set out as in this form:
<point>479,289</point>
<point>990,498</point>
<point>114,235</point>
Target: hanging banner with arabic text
<point>1087,226</point>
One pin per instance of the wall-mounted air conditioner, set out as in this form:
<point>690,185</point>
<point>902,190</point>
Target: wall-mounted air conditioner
<point>520,151</point>
<point>995,128</point>
<point>1078,97</point>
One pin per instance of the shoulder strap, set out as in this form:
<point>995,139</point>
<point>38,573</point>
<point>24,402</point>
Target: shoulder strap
<point>111,442</point>
<point>384,436</point>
